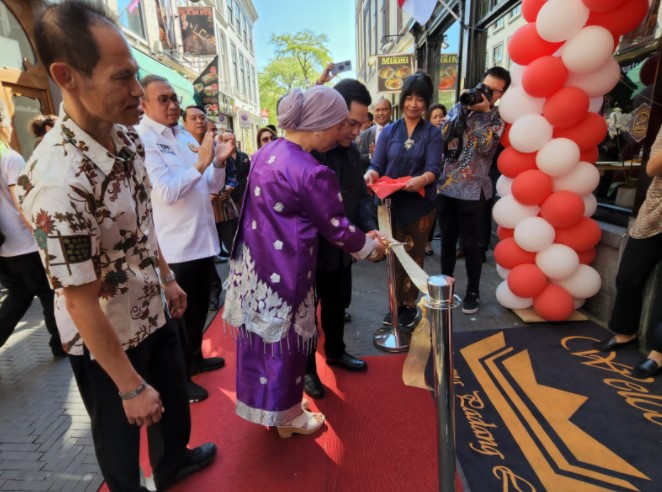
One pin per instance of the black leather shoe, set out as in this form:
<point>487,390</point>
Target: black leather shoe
<point>211,364</point>
<point>312,386</point>
<point>647,368</point>
<point>348,317</point>
<point>610,344</point>
<point>347,361</point>
<point>196,460</point>
<point>215,303</point>
<point>196,393</point>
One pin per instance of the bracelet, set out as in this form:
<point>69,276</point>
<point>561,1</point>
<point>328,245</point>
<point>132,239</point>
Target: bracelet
<point>167,279</point>
<point>426,179</point>
<point>132,394</point>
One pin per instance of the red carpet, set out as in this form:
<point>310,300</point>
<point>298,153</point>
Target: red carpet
<point>379,435</point>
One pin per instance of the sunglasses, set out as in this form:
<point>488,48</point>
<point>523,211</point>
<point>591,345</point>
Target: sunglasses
<point>267,138</point>
<point>165,100</point>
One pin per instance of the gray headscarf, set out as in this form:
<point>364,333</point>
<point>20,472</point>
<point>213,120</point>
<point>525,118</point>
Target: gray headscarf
<point>314,110</point>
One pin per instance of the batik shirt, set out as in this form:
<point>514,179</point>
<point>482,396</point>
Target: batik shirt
<point>92,219</point>
<point>649,218</point>
<point>466,176</point>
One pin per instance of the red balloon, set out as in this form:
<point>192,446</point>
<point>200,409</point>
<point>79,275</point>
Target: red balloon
<point>554,303</point>
<point>532,187</point>
<point>509,255</point>
<point>589,133</point>
<point>621,19</point>
<point>526,45</point>
<point>582,236</point>
<point>505,136</point>
<point>591,155</point>
<point>598,5</point>
<point>563,209</point>
<point>544,76</point>
<point>587,257</point>
<point>526,280</point>
<point>504,233</point>
<point>512,162</point>
<point>566,107</point>
<point>530,9</point>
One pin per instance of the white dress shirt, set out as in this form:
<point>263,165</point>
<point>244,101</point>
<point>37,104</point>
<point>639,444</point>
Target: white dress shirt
<point>378,131</point>
<point>183,216</point>
<point>18,238</point>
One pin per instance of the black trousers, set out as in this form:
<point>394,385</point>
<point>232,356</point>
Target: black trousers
<point>194,277</point>
<point>24,277</point>
<point>334,291</point>
<point>640,257</point>
<point>463,219</point>
<point>158,359</point>
<point>226,231</point>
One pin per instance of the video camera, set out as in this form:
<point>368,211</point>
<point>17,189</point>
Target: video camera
<point>475,95</point>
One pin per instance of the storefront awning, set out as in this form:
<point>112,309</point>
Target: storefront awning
<point>149,65</point>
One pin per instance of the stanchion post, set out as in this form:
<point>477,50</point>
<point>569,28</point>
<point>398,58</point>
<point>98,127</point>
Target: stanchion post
<point>441,302</point>
<point>391,339</point>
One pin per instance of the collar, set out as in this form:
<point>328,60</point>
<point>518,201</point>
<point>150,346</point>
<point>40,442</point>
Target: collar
<point>93,150</point>
<point>166,131</point>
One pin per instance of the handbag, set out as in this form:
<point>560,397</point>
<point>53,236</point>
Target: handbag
<point>223,210</point>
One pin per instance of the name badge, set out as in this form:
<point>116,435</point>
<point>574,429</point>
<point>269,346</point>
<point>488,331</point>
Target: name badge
<point>166,149</point>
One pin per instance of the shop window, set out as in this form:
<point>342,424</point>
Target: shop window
<point>237,18</point>
<point>230,13</point>
<point>14,43</point>
<point>131,16</point>
<point>499,24</point>
<point>515,13</point>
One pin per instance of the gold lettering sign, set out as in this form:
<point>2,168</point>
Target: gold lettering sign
<point>639,122</point>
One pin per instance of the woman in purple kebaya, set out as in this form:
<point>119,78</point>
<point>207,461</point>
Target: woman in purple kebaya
<point>290,199</point>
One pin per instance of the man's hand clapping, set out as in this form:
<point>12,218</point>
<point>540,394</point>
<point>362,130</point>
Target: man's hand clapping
<point>223,150</point>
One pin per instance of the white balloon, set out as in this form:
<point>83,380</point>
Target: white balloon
<point>530,133</point>
<point>598,83</point>
<point>558,157</point>
<point>516,103</point>
<point>582,179</point>
<point>588,50</point>
<point>508,212</point>
<point>595,104</point>
<point>582,284</point>
<point>504,185</point>
<point>590,204</point>
<point>559,20</point>
<point>534,234</point>
<point>509,300</point>
<point>516,72</point>
<point>502,272</point>
<point>558,261</point>
<point>578,303</point>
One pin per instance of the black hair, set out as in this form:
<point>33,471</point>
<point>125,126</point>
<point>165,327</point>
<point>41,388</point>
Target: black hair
<point>150,79</point>
<point>261,131</point>
<point>501,74</point>
<point>371,117</point>
<point>39,123</point>
<point>420,84</point>
<point>353,91</point>
<point>436,106</point>
<point>63,33</point>
<point>272,128</point>
<point>192,106</point>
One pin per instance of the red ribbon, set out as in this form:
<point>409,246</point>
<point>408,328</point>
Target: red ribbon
<point>386,186</point>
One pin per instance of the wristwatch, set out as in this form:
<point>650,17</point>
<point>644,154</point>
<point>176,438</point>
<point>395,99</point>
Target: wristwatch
<point>167,279</point>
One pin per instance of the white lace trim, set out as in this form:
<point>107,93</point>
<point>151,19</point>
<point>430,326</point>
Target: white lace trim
<point>250,303</point>
<point>266,417</point>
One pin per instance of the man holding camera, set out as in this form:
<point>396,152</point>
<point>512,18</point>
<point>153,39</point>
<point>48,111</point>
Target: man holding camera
<point>471,135</point>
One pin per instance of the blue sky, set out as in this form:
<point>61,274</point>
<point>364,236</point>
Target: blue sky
<point>334,18</point>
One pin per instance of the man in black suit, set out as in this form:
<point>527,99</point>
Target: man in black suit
<point>368,138</point>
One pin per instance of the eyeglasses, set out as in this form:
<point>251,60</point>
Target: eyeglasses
<point>165,100</point>
<point>266,138</point>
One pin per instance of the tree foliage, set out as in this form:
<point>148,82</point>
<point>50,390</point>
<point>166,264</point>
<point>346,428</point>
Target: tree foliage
<point>299,59</point>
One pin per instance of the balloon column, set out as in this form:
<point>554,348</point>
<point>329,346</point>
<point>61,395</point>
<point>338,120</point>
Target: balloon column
<point>563,66</point>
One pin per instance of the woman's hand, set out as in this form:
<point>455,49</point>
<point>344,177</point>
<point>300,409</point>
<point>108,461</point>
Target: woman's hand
<point>371,176</point>
<point>416,183</point>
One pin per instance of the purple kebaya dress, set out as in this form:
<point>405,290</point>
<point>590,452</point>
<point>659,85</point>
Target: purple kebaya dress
<point>290,199</point>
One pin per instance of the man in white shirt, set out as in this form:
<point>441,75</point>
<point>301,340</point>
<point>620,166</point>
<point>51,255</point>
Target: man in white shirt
<point>21,271</point>
<point>183,174</point>
<point>368,138</point>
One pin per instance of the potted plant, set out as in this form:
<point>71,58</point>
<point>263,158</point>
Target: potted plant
<point>618,124</point>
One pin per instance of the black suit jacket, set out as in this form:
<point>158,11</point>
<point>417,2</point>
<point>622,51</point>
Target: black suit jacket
<point>366,138</point>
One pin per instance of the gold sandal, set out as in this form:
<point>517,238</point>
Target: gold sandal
<point>305,423</point>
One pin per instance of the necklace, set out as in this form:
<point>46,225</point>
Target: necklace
<point>409,143</point>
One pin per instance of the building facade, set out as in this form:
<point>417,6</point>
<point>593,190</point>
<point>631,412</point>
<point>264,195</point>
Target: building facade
<point>172,38</point>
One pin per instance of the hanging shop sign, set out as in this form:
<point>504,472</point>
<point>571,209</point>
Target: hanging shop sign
<point>447,79</point>
<point>198,36</point>
<point>206,88</point>
<point>392,70</point>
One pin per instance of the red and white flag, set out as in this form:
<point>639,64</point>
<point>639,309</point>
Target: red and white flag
<point>420,10</point>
